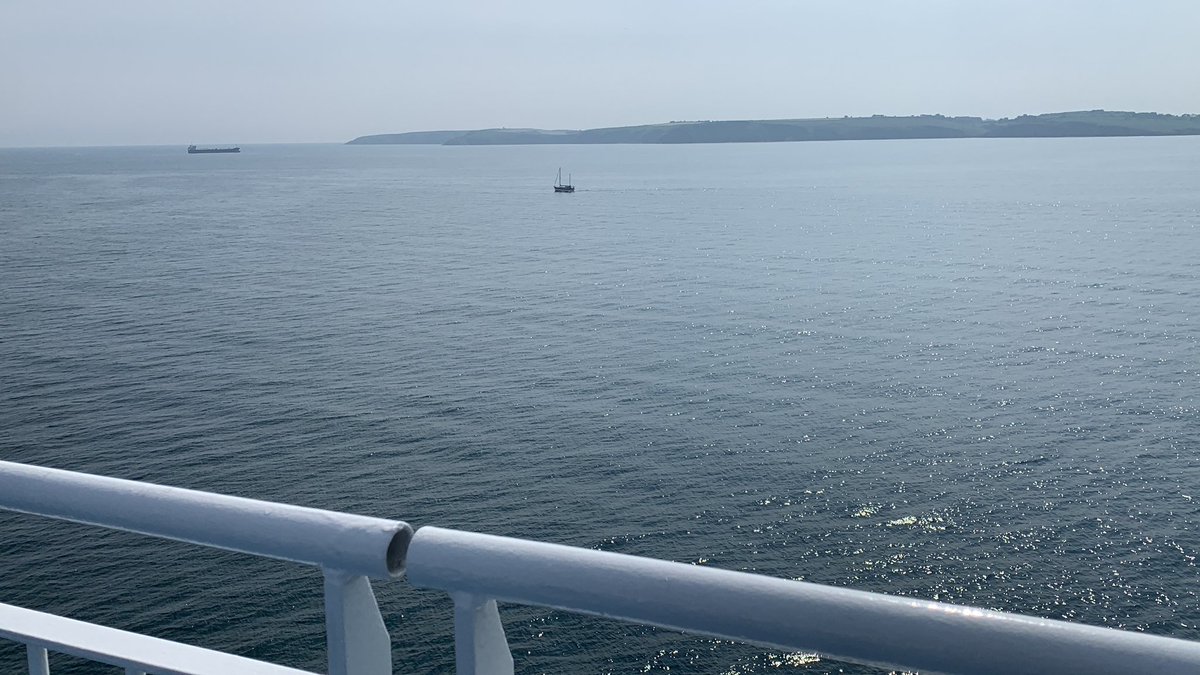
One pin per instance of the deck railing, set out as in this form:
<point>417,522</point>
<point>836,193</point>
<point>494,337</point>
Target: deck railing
<point>477,570</point>
<point>349,549</point>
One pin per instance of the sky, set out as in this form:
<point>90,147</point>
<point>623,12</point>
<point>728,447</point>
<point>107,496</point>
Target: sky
<point>139,72</point>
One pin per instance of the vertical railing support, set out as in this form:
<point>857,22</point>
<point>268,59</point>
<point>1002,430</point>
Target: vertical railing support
<point>480,647</point>
<point>39,660</point>
<point>356,637</point>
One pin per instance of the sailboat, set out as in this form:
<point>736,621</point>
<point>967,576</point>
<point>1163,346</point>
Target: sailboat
<point>560,186</point>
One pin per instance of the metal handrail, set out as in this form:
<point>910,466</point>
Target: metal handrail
<point>348,548</point>
<point>134,652</point>
<point>479,569</point>
<point>868,628</point>
<point>359,545</point>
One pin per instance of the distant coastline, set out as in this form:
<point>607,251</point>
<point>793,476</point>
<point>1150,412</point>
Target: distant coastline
<point>877,127</point>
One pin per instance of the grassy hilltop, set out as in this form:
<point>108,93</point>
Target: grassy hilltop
<point>1065,124</point>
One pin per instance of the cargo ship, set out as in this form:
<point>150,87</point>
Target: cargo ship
<point>193,150</point>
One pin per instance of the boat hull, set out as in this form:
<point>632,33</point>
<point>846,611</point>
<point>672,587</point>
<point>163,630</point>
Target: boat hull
<point>211,151</point>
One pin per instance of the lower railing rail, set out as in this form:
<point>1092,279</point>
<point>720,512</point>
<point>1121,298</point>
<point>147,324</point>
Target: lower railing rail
<point>477,570</point>
<point>134,652</point>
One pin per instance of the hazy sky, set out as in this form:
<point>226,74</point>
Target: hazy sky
<point>207,71</point>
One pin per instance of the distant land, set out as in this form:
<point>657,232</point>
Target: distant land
<point>876,127</point>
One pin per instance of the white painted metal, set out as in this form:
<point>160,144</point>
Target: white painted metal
<point>850,625</point>
<point>359,545</point>
<point>480,647</point>
<point>39,660</point>
<point>477,570</point>
<point>349,548</point>
<point>355,634</point>
<point>132,651</point>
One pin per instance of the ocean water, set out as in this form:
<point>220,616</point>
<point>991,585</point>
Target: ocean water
<point>960,370</point>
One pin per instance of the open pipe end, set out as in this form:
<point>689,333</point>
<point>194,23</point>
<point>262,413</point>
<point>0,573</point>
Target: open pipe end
<point>397,550</point>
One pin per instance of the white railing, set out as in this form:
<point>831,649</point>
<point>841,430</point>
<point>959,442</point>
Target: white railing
<point>135,653</point>
<point>866,628</point>
<point>477,570</point>
<point>348,548</point>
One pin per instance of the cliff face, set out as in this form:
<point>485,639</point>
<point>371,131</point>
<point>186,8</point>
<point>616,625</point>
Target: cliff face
<point>1067,124</point>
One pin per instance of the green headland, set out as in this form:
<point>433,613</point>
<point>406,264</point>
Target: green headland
<point>876,127</point>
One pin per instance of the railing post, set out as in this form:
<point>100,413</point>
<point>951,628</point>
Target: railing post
<point>39,661</point>
<point>480,647</point>
<point>356,637</point>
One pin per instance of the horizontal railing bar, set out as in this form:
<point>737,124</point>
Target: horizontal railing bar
<point>372,547</point>
<point>857,626</point>
<point>132,651</point>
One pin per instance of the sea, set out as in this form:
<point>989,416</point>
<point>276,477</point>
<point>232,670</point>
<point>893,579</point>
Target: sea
<point>959,370</point>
